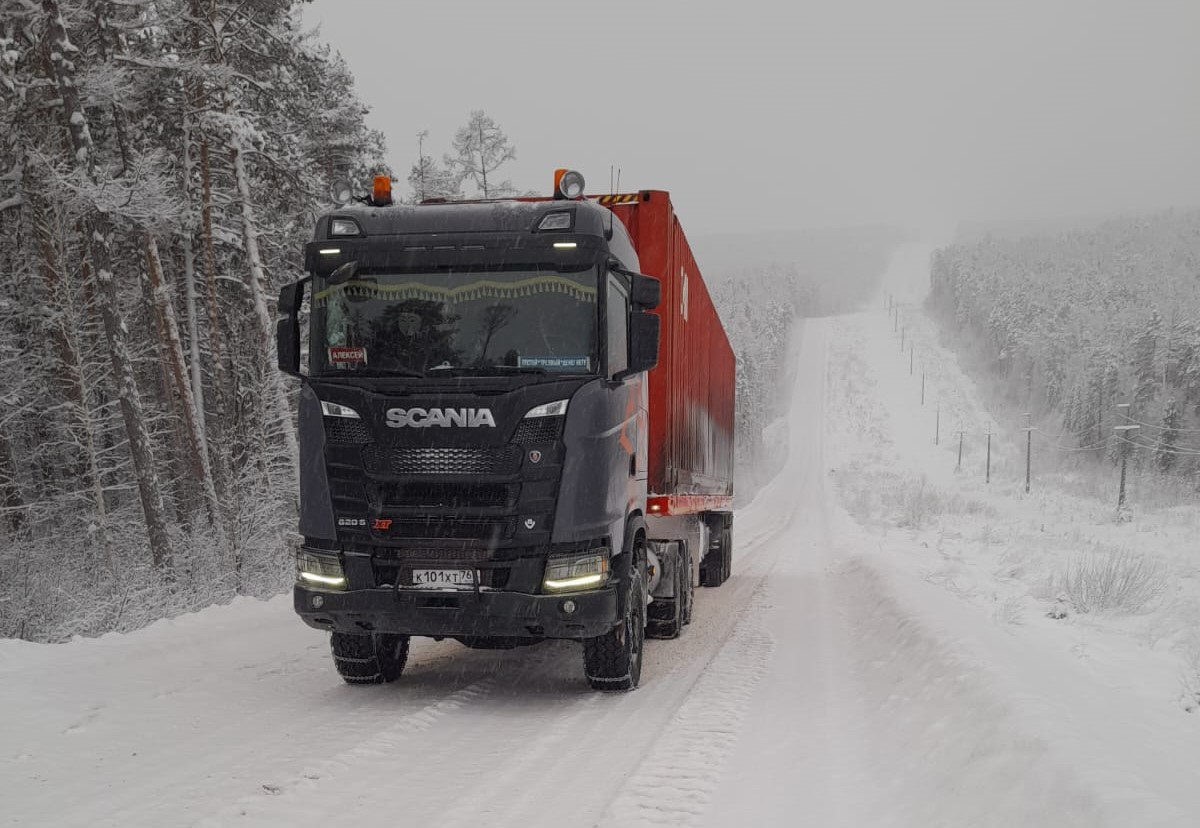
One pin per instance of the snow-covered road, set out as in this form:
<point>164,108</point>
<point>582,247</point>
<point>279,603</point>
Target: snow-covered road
<point>808,691</point>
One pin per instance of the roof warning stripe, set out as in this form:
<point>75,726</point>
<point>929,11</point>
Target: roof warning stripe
<point>623,198</point>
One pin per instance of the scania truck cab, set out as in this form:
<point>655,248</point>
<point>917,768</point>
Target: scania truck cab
<point>473,430</point>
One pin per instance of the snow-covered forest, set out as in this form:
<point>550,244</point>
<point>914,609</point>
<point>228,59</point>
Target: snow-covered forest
<point>1090,329</point>
<point>162,167</point>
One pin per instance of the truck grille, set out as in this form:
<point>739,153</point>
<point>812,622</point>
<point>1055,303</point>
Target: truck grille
<point>441,556</point>
<point>451,528</point>
<point>437,495</point>
<point>538,430</point>
<point>347,430</point>
<point>405,461</point>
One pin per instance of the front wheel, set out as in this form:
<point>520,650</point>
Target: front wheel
<point>369,659</point>
<point>613,661</point>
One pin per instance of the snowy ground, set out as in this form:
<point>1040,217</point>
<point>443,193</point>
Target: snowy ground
<point>881,657</point>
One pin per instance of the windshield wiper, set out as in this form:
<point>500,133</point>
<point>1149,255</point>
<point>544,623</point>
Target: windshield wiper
<point>484,370</point>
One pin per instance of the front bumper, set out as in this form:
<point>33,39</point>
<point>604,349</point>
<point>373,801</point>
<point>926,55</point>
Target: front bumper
<point>460,613</point>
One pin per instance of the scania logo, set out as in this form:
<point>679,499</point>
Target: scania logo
<point>443,417</point>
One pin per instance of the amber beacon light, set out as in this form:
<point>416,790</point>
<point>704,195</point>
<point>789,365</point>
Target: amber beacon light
<point>381,192</point>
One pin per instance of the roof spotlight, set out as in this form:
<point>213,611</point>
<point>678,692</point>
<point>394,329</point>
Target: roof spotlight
<point>568,184</point>
<point>341,192</point>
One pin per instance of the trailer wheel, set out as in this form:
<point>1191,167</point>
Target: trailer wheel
<point>717,565</point>
<point>689,591</point>
<point>727,553</point>
<point>713,569</point>
<point>613,661</point>
<point>369,659</point>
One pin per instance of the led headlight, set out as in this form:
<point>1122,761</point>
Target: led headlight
<point>332,409</point>
<point>576,571</point>
<point>550,409</point>
<point>320,569</point>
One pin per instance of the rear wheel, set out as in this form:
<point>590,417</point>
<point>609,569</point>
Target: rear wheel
<point>717,565</point>
<point>689,591</point>
<point>613,661</point>
<point>369,659</point>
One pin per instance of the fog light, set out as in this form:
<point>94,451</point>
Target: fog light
<point>568,606</point>
<point>318,601</point>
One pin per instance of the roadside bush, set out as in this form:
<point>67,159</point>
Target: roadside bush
<point>1112,583</point>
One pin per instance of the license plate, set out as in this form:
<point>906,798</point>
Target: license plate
<point>443,578</point>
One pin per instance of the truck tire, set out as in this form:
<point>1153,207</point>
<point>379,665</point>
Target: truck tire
<point>369,659</point>
<point>689,590</point>
<point>713,571</point>
<point>727,552</point>
<point>667,616</point>
<point>613,661</point>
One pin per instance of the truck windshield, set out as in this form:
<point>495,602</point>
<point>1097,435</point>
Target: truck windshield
<point>535,318</point>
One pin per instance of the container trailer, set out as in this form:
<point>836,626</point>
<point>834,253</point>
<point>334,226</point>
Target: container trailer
<point>515,424</point>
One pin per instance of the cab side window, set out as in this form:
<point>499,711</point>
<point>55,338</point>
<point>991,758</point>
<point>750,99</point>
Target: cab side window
<point>617,313</point>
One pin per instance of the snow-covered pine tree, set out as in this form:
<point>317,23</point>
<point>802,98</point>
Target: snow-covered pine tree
<point>1147,374</point>
<point>1167,441</point>
<point>479,149</point>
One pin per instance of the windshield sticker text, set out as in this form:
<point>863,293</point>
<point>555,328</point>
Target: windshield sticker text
<point>581,362</point>
<point>341,356</point>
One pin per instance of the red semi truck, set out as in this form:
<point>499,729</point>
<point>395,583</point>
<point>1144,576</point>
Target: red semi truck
<point>516,423</point>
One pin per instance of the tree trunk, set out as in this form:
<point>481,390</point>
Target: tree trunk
<point>262,316</point>
<point>172,348</point>
<point>72,380</point>
<point>11,502</point>
<point>98,241</point>
<point>222,408</point>
<point>190,295</point>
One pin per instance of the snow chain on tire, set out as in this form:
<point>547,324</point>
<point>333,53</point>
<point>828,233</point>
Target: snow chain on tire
<point>613,661</point>
<point>369,659</point>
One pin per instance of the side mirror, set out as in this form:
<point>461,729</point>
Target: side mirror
<point>643,340</point>
<point>645,292</point>
<point>287,330</point>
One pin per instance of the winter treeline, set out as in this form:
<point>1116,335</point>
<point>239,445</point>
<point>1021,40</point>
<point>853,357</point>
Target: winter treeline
<point>161,166</point>
<point>760,303</point>
<point>1078,324</point>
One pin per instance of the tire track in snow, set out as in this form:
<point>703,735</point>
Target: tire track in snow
<point>380,746</point>
<point>675,781</point>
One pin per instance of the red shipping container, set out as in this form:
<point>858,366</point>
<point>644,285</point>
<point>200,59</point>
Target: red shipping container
<point>691,391</point>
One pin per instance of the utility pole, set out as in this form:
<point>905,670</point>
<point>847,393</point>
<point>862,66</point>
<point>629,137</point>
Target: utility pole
<point>988,475</point>
<point>1123,432</point>
<point>902,331</point>
<point>910,359</point>
<point>958,468</point>
<point>1028,448</point>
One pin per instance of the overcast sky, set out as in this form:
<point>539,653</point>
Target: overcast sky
<point>774,115</point>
